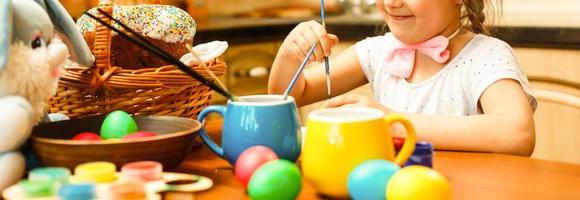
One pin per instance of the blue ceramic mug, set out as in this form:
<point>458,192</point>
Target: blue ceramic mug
<point>256,120</point>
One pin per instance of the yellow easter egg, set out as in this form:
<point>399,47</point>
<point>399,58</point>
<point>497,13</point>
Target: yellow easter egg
<point>418,182</point>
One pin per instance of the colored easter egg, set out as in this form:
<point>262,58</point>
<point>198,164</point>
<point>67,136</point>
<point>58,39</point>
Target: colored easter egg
<point>117,124</point>
<point>139,134</point>
<point>418,182</point>
<point>87,136</point>
<point>277,179</point>
<point>369,179</point>
<point>250,159</point>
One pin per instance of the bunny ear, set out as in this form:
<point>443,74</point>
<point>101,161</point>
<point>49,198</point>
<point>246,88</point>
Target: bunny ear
<point>65,25</point>
<point>6,31</point>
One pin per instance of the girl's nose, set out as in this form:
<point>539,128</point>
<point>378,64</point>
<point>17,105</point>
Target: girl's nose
<point>393,3</point>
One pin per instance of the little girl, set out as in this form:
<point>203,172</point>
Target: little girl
<point>462,90</point>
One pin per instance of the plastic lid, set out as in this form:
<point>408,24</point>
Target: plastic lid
<point>37,188</point>
<point>423,147</point>
<point>77,191</point>
<point>142,171</point>
<point>99,172</point>
<point>56,174</point>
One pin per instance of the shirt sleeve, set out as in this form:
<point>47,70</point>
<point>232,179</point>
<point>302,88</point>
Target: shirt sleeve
<point>368,52</point>
<point>496,62</point>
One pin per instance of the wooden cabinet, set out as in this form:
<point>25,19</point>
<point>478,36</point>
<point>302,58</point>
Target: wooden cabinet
<point>540,13</point>
<point>235,7</point>
<point>555,77</point>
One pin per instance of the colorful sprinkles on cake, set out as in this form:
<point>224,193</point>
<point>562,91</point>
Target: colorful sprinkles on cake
<point>162,22</point>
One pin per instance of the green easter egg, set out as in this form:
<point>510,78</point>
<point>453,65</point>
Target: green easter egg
<point>277,179</point>
<point>117,124</point>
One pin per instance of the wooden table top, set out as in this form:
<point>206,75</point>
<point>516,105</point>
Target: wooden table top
<point>472,175</point>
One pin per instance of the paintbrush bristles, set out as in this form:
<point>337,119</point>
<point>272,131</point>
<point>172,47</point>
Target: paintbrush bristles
<point>146,45</point>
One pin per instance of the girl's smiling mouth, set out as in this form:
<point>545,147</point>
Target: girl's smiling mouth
<point>400,17</point>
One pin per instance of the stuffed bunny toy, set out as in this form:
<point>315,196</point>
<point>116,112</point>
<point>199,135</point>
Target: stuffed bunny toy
<point>31,58</point>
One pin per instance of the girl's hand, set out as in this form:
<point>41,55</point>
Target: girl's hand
<point>354,101</point>
<point>302,37</point>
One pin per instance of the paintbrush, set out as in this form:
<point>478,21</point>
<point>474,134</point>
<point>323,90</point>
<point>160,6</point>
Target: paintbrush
<point>146,45</point>
<point>291,85</point>
<point>326,62</point>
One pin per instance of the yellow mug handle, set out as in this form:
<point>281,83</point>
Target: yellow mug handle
<point>409,145</point>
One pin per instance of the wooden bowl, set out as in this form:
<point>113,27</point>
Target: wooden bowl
<point>54,147</point>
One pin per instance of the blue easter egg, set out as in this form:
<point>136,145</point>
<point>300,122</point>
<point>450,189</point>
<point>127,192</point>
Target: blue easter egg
<point>369,179</point>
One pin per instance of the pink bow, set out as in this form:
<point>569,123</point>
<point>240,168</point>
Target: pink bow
<point>401,57</point>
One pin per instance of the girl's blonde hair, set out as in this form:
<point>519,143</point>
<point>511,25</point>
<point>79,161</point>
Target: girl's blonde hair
<point>477,15</point>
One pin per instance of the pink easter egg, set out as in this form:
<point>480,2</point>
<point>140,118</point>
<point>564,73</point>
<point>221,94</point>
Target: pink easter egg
<point>87,136</point>
<point>250,159</point>
<point>139,134</point>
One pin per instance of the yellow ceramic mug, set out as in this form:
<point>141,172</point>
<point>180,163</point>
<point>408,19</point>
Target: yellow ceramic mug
<point>339,139</point>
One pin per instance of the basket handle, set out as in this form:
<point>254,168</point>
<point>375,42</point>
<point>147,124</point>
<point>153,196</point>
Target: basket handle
<point>102,46</point>
<point>102,43</point>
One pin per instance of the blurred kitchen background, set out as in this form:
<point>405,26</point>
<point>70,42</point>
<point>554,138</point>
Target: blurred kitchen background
<point>545,36</point>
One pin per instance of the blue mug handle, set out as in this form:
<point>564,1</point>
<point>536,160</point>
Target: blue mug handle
<point>206,139</point>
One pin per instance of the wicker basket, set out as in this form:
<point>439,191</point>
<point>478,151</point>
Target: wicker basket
<point>165,90</point>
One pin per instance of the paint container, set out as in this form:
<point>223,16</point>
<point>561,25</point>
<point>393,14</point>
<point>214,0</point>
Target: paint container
<point>422,155</point>
<point>38,189</point>
<point>59,175</point>
<point>84,191</point>
<point>97,172</point>
<point>145,171</point>
<point>127,190</point>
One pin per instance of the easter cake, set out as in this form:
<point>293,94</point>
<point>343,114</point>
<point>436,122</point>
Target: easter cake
<point>167,27</point>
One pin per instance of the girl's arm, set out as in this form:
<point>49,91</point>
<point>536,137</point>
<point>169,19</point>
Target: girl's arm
<point>346,73</point>
<point>507,125</point>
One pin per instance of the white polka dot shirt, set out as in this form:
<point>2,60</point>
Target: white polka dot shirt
<point>454,90</point>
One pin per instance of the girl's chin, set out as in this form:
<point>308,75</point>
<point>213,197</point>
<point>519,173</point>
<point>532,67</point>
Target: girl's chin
<point>403,35</point>
<point>407,37</point>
